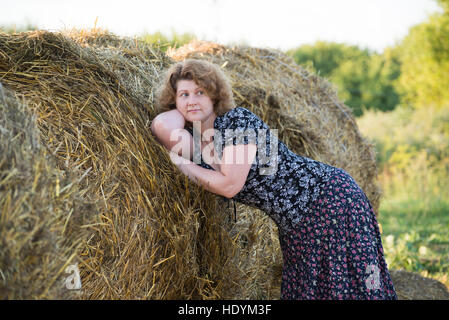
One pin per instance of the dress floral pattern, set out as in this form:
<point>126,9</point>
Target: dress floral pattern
<point>328,231</point>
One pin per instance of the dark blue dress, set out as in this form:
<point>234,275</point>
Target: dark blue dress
<point>328,231</point>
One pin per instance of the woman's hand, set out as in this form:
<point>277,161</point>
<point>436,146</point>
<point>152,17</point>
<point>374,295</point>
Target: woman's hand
<point>233,170</point>
<point>178,160</point>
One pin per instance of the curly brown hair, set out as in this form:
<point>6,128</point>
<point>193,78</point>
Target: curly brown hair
<point>206,75</point>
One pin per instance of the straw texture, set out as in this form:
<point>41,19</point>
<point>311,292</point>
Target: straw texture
<point>82,179</point>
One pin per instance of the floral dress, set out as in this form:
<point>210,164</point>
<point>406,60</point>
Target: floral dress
<point>328,231</point>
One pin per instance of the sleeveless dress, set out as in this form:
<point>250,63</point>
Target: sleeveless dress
<point>328,231</point>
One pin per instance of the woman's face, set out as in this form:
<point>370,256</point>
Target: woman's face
<point>193,102</point>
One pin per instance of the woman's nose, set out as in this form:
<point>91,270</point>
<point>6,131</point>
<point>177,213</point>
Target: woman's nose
<point>192,100</point>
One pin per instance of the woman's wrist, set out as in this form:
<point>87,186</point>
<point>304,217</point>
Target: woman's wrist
<point>178,160</point>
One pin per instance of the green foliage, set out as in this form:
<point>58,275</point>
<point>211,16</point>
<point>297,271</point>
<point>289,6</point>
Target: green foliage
<point>424,55</point>
<point>413,158</point>
<point>175,40</point>
<point>16,29</point>
<point>365,80</point>
<point>415,72</point>
<point>324,57</point>
<point>405,137</point>
<point>415,236</point>
<point>444,4</point>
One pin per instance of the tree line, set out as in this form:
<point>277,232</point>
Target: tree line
<point>414,72</point>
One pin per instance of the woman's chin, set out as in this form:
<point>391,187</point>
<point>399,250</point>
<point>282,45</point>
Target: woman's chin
<point>193,117</point>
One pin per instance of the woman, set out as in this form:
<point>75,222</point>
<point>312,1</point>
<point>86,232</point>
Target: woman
<point>328,231</point>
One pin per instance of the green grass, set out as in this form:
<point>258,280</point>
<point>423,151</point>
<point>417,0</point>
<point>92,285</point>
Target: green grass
<point>416,236</point>
<point>413,160</point>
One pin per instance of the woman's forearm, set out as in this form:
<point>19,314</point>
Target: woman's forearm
<point>213,181</point>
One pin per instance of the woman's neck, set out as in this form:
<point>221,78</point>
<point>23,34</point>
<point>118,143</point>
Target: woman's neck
<point>208,124</point>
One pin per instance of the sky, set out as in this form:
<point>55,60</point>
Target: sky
<point>278,24</point>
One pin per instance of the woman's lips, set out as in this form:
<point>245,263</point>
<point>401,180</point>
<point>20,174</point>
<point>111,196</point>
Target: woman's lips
<point>193,110</point>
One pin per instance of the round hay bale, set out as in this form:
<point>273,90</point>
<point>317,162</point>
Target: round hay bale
<point>156,235</point>
<point>412,286</point>
<point>42,210</point>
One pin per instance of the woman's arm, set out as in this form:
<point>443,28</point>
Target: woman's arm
<point>168,127</point>
<point>231,178</point>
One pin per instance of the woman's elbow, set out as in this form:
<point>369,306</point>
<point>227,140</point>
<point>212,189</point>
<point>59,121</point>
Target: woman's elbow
<point>154,125</point>
<point>172,119</point>
<point>157,128</point>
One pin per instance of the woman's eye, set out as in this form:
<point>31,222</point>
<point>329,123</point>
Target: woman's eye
<point>200,92</point>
